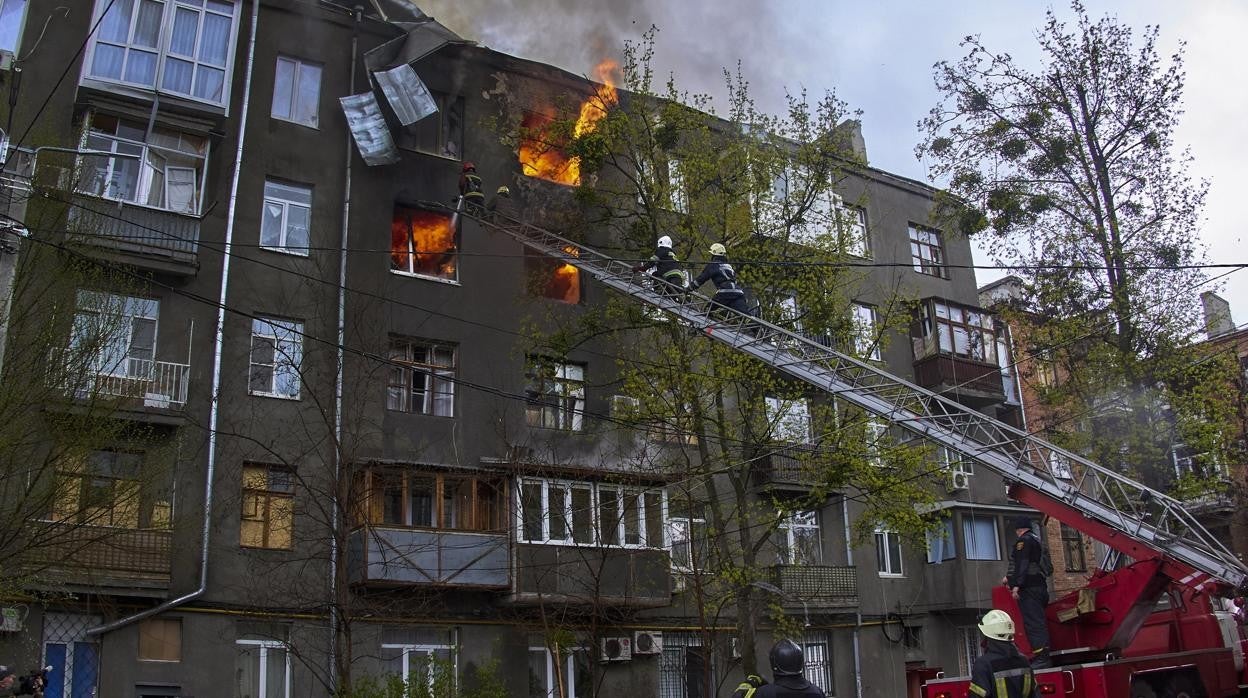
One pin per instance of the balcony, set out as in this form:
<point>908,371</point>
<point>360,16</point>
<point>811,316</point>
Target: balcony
<point>626,577</point>
<point>138,384</point>
<point>790,466</point>
<point>154,239</point>
<point>957,352</point>
<point>98,556</point>
<point>821,586</point>
<point>394,556</point>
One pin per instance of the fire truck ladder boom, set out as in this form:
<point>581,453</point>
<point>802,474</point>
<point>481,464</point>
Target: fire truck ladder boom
<point>1145,515</point>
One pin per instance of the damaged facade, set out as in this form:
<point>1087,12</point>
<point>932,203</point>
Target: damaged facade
<point>450,503</point>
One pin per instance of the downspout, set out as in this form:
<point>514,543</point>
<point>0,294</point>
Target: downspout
<point>339,378</point>
<point>849,560</point>
<point>215,405</point>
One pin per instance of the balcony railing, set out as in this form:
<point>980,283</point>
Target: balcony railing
<point>139,229</point>
<point>158,384</point>
<point>791,464</point>
<point>818,585</point>
<point>99,551</point>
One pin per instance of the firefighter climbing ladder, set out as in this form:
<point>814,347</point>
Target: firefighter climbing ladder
<point>1147,515</point>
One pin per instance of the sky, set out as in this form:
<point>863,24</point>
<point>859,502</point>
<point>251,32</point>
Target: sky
<point>878,57</point>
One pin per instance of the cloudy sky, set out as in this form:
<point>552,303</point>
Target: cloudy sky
<point>877,56</point>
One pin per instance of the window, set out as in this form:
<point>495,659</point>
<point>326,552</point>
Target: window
<point>677,196</point>
<point>789,420</point>
<point>182,47</point>
<point>979,536</point>
<point>440,133</point>
<point>287,216</point>
<point>1072,550</point>
<point>818,669</point>
<point>553,278</point>
<point>688,535</point>
<point>555,394</point>
<point>297,91</point>
<point>876,441</point>
<point>449,501</point>
<point>1059,466</point>
<point>107,489</point>
<point>423,243</point>
<point>968,648</point>
<point>262,667</point>
<point>586,513</point>
<point>887,553</point>
<point>268,507</point>
<point>852,230</point>
<point>544,679</point>
<point>962,331</point>
<point>955,462</point>
<point>276,355</point>
<point>808,216</point>
<point>417,657</point>
<point>423,382</point>
<point>1189,463</point>
<point>926,253</point>
<point>117,332</point>
<point>797,539</point>
<point>676,428</point>
<point>165,170</point>
<point>1009,375</point>
<point>160,640</point>
<point>865,331</point>
<point>542,154</point>
<point>1044,371</point>
<point>685,667</point>
<point>12,16</point>
<point>940,546</point>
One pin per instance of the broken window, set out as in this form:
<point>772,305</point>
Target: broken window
<point>268,507</point>
<point>276,356</point>
<point>424,382</point>
<point>555,394</point>
<point>542,153</point>
<point>423,243</point>
<point>553,278</point>
<point>688,535</point>
<point>410,498</point>
<point>181,46</point>
<point>958,330</point>
<point>106,488</point>
<point>440,133</point>
<point>287,217</point>
<point>864,325</point>
<point>927,254</point>
<point>163,169</point>
<point>297,91</point>
<point>1072,550</point>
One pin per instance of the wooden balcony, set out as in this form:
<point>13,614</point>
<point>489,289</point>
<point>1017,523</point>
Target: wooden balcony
<point>162,241</point>
<point>397,556</point>
<point>971,382</point>
<point>98,556</point>
<point>819,586</point>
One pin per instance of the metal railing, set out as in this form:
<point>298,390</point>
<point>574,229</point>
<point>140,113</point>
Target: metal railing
<point>132,227</point>
<point>159,384</point>
<point>818,584</point>
<point>142,552</point>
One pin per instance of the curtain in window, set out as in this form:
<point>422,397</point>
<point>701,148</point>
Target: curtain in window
<point>980,537</point>
<point>180,189</point>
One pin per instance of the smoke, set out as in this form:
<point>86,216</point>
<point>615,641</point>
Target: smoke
<point>697,39</point>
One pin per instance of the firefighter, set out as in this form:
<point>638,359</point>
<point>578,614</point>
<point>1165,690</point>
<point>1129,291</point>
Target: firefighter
<point>1030,588</point>
<point>501,206</point>
<point>748,687</point>
<point>728,291</point>
<point>664,266</point>
<point>787,665</point>
<point>471,192</point>
<point>1001,671</point>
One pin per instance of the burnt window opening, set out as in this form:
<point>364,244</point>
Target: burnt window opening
<point>440,133</point>
<point>423,243</point>
<point>553,278</point>
<point>542,151</point>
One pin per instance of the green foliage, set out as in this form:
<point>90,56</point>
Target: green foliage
<point>439,682</point>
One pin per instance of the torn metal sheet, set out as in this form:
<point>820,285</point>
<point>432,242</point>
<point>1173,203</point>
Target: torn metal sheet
<point>422,39</point>
<point>407,95</point>
<point>369,129</point>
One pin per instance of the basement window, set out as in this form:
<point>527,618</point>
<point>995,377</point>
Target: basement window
<point>423,243</point>
<point>553,278</point>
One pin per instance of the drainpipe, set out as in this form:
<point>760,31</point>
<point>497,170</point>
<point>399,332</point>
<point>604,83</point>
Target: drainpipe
<point>215,405</point>
<point>339,377</point>
<point>849,560</point>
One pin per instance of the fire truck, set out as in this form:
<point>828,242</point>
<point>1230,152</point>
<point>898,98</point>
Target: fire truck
<point>1149,624</point>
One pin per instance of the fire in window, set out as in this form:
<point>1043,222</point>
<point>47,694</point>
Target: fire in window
<point>554,278</point>
<point>423,242</point>
<point>541,151</point>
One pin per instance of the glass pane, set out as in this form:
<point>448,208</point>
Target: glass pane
<point>538,683</point>
<point>107,61</point>
<point>209,83</point>
<point>177,77</point>
<point>141,67</point>
<point>116,24</point>
<point>531,510</point>
<point>297,227</point>
<point>609,517</point>
<point>308,98</point>
<point>558,513</point>
<point>271,225</point>
<point>275,673</point>
<point>582,516</point>
<point>806,549</point>
<point>421,501</point>
<point>283,88</point>
<point>654,520</point>
<point>248,669</point>
<point>457,503</point>
<point>391,485</point>
<point>182,38</point>
<point>632,523</point>
<point>147,26</point>
<point>11,24</point>
<point>216,41</point>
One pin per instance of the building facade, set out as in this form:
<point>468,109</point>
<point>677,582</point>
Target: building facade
<point>337,452</point>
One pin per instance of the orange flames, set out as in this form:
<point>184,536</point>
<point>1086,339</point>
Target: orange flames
<point>542,158</point>
<point>422,242</point>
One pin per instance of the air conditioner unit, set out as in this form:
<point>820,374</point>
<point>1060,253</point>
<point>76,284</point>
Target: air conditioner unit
<point>959,481</point>
<point>647,642</point>
<point>624,406</point>
<point>616,649</point>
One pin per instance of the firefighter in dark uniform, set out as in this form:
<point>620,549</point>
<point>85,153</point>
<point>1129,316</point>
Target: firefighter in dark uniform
<point>1030,587</point>
<point>470,190</point>
<point>501,207</point>
<point>787,665</point>
<point>1001,671</point>
<point>728,291</point>
<point>664,265</point>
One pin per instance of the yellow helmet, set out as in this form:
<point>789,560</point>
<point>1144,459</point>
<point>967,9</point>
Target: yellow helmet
<point>997,625</point>
<point>503,191</point>
<point>718,250</point>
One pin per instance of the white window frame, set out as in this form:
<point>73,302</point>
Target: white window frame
<point>429,651</point>
<point>265,646</point>
<point>954,462</point>
<point>683,530</point>
<point>110,320</point>
<point>162,50</point>
<point>940,544</point>
<point>865,322</point>
<point>141,155</point>
<point>922,260</point>
<point>433,375</point>
<point>789,419</point>
<point>283,195</point>
<point>805,520</point>
<point>852,221</point>
<point>970,543</point>
<point>883,564</point>
<point>298,68</point>
<point>282,358</point>
<point>677,193</point>
<point>875,431</point>
<point>551,667</point>
<point>596,490</point>
<point>6,6</point>
<point>567,383</point>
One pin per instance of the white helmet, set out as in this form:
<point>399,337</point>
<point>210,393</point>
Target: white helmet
<point>664,241</point>
<point>718,250</point>
<point>997,625</point>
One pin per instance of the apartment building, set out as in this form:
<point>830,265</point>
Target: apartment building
<point>338,451</point>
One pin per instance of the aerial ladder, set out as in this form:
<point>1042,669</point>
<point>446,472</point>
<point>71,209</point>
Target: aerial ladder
<point>1168,546</point>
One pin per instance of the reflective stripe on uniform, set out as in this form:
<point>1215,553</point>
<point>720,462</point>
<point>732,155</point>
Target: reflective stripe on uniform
<point>978,690</point>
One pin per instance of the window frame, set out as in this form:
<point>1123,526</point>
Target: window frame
<point>295,92</point>
<point>85,483</point>
<point>410,251</point>
<point>927,251</point>
<point>552,392</point>
<point>262,672</point>
<point>970,537</point>
<point>597,492</point>
<point>162,51</point>
<point>95,311</point>
<point>165,622</point>
<point>858,227</point>
<point>789,417</point>
<point>142,154</point>
<point>569,661</point>
<point>786,532</point>
<point>372,492</point>
<point>947,549</point>
<point>286,204</point>
<point>295,330</point>
<point>941,332</point>
<point>865,325</point>
<point>1072,549</point>
<point>428,650</point>
<point>407,138</point>
<point>883,562</point>
<point>264,513</point>
<point>434,375</point>
<point>20,30</point>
